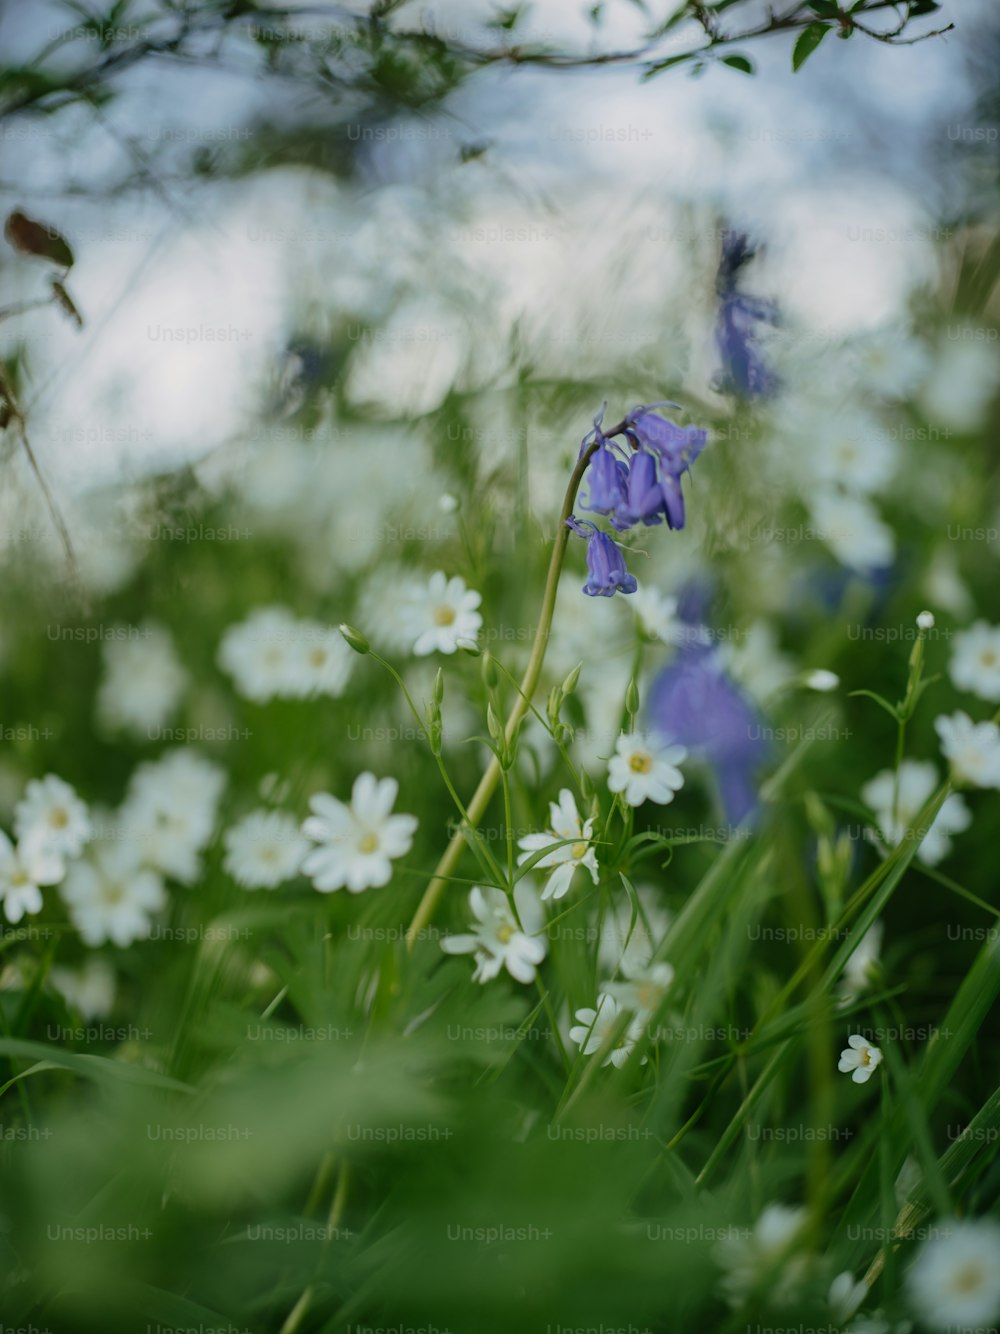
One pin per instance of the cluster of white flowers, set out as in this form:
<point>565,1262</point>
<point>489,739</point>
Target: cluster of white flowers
<point>275,654</point>
<point>143,680</point>
<point>952,1283</point>
<point>159,832</point>
<point>897,801</point>
<point>111,896</point>
<point>51,825</point>
<point>169,812</point>
<point>112,884</point>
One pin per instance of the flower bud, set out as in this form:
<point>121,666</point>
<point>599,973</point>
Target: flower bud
<point>488,667</point>
<point>355,638</point>
<point>821,679</point>
<point>570,684</point>
<point>494,725</point>
<point>439,686</point>
<point>434,735</point>
<point>632,699</point>
<point>553,705</point>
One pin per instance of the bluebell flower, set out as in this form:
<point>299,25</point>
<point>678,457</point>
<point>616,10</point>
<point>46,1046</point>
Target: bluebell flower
<point>644,500</point>
<point>695,704</point>
<point>675,448</point>
<point>744,371</point>
<point>607,478</point>
<point>605,562</point>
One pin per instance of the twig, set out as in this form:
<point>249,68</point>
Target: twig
<point>16,418</point>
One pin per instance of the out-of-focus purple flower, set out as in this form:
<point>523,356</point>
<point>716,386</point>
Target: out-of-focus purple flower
<point>744,371</point>
<point>694,703</point>
<point>605,562</point>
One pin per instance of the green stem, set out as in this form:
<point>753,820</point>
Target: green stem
<point>488,782</point>
<point>421,724</point>
<point>560,746</point>
<point>298,1312</point>
<point>900,743</point>
<point>510,836</point>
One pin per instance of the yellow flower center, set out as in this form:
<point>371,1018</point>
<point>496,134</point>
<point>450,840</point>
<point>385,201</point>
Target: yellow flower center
<point>865,1056</point>
<point>579,849</point>
<point>988,657</point>
<point>19,878</point>
<point>640,762</point>
<point>967,1279</point>
<point>504,933</point>
<point>58,817</point>
<point>444,615</point>
<point>317,656</point>
<point>368,843</point>
<point>112,894</point>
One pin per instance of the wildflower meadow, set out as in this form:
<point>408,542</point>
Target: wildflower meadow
<point>499,668</point>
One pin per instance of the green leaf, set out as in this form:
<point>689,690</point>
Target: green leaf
<point>808,40</point>
<point>91,1067</point>
<point>739,62</point>
<point>889,708</point>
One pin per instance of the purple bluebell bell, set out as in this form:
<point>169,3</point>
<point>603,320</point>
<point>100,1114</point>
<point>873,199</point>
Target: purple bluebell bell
<point>675,448</point>
<point>744,371</point>
<point>694,703</point>
<point>607,478</point>
<point>643,501</point>
<point>605,562</point>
